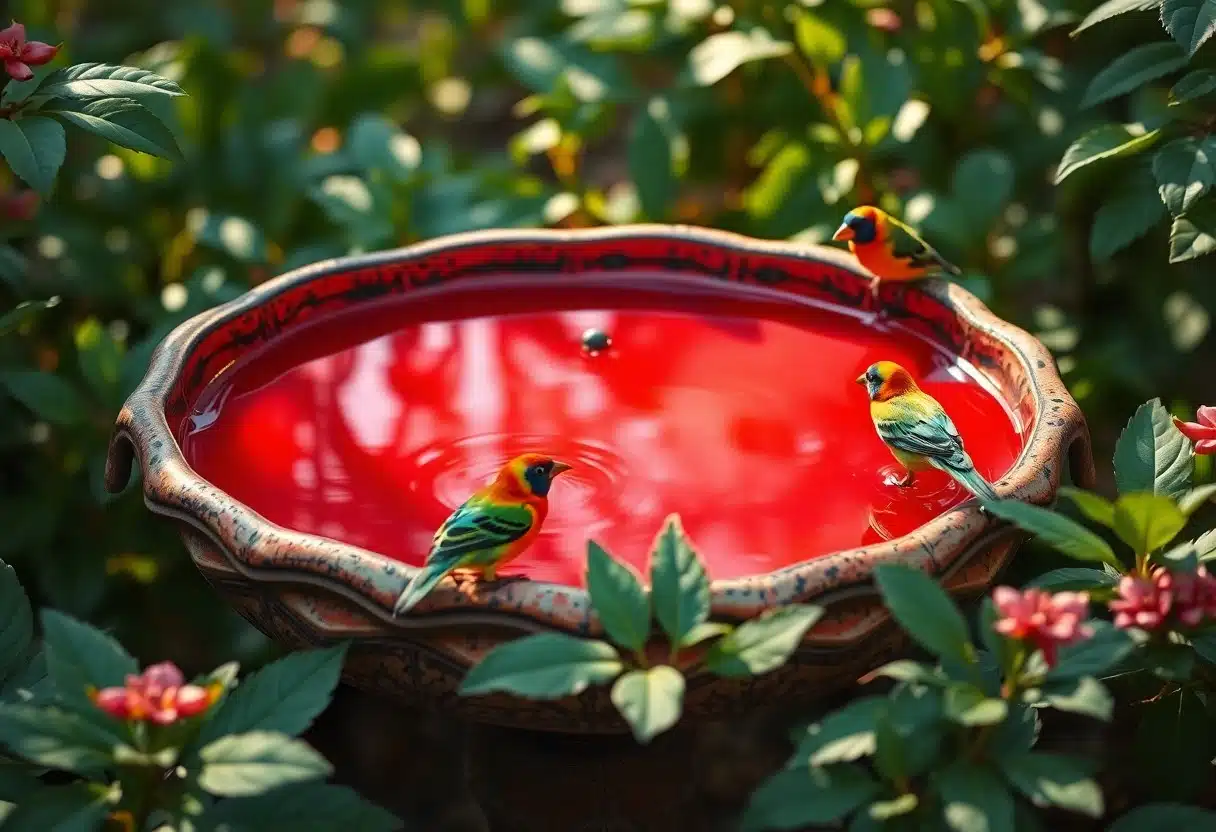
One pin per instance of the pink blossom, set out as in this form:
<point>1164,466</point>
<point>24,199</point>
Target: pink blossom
<point>158,695</point>
<point>19,55</point>
<point>1147,603</point>
<point>1202,432</point>
<point>1045,620</point>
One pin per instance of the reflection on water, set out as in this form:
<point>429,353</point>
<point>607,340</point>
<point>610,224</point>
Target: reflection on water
<point>740,414</point>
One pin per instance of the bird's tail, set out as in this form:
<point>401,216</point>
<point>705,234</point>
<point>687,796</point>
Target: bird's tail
<point>969,478</point>
<point>421,584</point>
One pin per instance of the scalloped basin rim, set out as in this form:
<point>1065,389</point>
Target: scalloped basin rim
<point>265,553</point>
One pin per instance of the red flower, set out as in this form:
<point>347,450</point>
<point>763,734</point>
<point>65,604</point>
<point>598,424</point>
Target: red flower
<point>1147,603</point>
<point>19,55</point>
<point>19,206</point>
<point>159,695</point>
<point>1047,621</point>
<point>1203,432</point>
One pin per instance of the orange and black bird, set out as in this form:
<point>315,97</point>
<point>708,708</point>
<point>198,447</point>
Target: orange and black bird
<point>888,249</point>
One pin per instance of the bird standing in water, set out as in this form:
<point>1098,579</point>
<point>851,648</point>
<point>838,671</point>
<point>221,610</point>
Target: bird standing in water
<point>917,430</point>
<point>490,528</point>
<point>888,249</point>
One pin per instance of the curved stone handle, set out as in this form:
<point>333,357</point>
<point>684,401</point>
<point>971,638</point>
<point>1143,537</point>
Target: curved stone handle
<point>119,457</point>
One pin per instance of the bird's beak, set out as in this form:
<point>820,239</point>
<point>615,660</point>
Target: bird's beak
<point>558,468</point>
<point>843,233</point>
<point>861,379</point>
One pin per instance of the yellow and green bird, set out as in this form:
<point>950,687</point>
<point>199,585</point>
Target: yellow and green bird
<point>917,430</point>
<point>888,249</point>
<point>489,529</point>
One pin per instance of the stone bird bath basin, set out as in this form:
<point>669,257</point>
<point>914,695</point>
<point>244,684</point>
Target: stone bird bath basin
<point>308,437</point>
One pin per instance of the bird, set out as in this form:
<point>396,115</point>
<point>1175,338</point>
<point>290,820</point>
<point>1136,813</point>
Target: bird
<point>888,249</point>
<point>917,430</point>
<point>491,527</point>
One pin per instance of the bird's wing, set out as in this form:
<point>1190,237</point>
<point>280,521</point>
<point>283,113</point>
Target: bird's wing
<point>907,244</point>
<point>919,426</point>
<point>479,525</point>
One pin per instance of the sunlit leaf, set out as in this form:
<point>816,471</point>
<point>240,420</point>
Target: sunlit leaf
<point>720,54</point>
<point>1132,69</point>
<point>1109,141</point>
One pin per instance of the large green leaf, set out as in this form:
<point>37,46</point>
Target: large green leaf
<point>1058,531</point>
<point>658,157</point>
<point>1112,8</point>
<point>80,656</point>
<point>49,396</point>
<point>1193,235</point>
<point>544,666</point>
<point>1133,69</point>
<point>122,121</point>
<point>974,799</point>
<point>284,696</point>
<point>1073,578</point>
<point>842,736</point>
<point>1151,455</point>
<point>1086,696</point>
<point>1190,22</point>
<point>764,643</point>
<point>1130,211</point>
<point>967,705</point>
<point>796,798</point>
<point>679,585</point>
<point>1109,141</point>
<point>1185,169</point>
<point>377,144</point>
<point>1193,85</point>
<point>243,765</point>
<point>16,623</point>
<point>619,598</point>
<point>57,738</point>
<point>1160,817</point>
<point>720,54</point>
<point>1146,521</point>
<point>819,40</point>
<point>1054,780</point>
<point>298,807</point>
<point>650,700</point>
<point>97,80</point>
<point>34,148</point>
<point>1094,506</point>
<point>1093,656</point>
<point>924,610</point>
<point>76,807</point>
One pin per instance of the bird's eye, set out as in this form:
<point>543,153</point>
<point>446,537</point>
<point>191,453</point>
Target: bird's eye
<point>538,470</point>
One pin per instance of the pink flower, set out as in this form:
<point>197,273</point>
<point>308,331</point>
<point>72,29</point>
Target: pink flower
<point>1203,432</point>
<point>1147,603</point>
<point>159,695</point>
<point>19,55</point>
<point>887,20</point>
<point>1047,621</point>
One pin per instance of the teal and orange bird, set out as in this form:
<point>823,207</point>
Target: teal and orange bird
<point>888,249</point>
<point>489,529</point>
<point>917,430</point>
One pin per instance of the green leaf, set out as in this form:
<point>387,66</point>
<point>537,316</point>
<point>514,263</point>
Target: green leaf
<point>925,610</point>
<point>618,597</point>
<point>1111,8</point>
<point>1193,500</point>
<point>544,65</point>
<point>1086,696</point>
<point>1056,530</point>
<point>658,157</point>
<point>795,798</point>
<point>883,810</point>
<point>79,656</point>
<point>967,705</point>
<point>1094,506</point>
<point>983,183</point>
<point>16,623</point>
<point>764,643</point>
<point>359,205</point>
<point>819,40</point>
<point>1146,521</point>
<point>1185,170</point>
<point>679,585</point>
<point>57,739</point>
<point>1072,579</point>
<point>299,807</point>
<point>242,765</point>
<point>122,121</point>
<point>1193,235</point>
<point>34,148</point>
<point>76,807</point>
<point>284,696</point>
<point>1151,455</point>
<point>708,630</point>
<point>1130,210</point>
<point>1190,22</point>
<point>1054,780</point>
<point>1159,817</point>
<point>650,700</point>
<point>544,666</point>
<point>25,311</point>
<point>1093,656</point>
<point>377,144</point>
<point>842,736</point>
<point>97,80</point>
<point>1134,69</point>
<point>1109,141</point>
<point>974,799</point>
<point>720,54</point>
<point>905,670</point>
<point>47,395</point>
<point>1193,85</point>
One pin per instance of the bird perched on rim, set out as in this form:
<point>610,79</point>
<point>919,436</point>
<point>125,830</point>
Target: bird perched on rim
<point>888,249</point>
<point>490,528</point>
<point>917,430</point>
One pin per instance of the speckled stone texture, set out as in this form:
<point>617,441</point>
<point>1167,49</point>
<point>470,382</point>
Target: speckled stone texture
<point>303,589</point>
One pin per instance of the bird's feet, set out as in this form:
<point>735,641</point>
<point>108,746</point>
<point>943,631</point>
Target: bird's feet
<point>906,480</point>
<point>474,585</point>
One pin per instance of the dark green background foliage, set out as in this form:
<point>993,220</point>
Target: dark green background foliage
<point>313,128</point>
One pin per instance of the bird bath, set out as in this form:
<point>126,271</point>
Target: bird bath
<point>312,434</point>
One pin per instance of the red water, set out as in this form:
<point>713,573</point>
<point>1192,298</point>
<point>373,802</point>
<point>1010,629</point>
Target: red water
<point>736,409</point>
